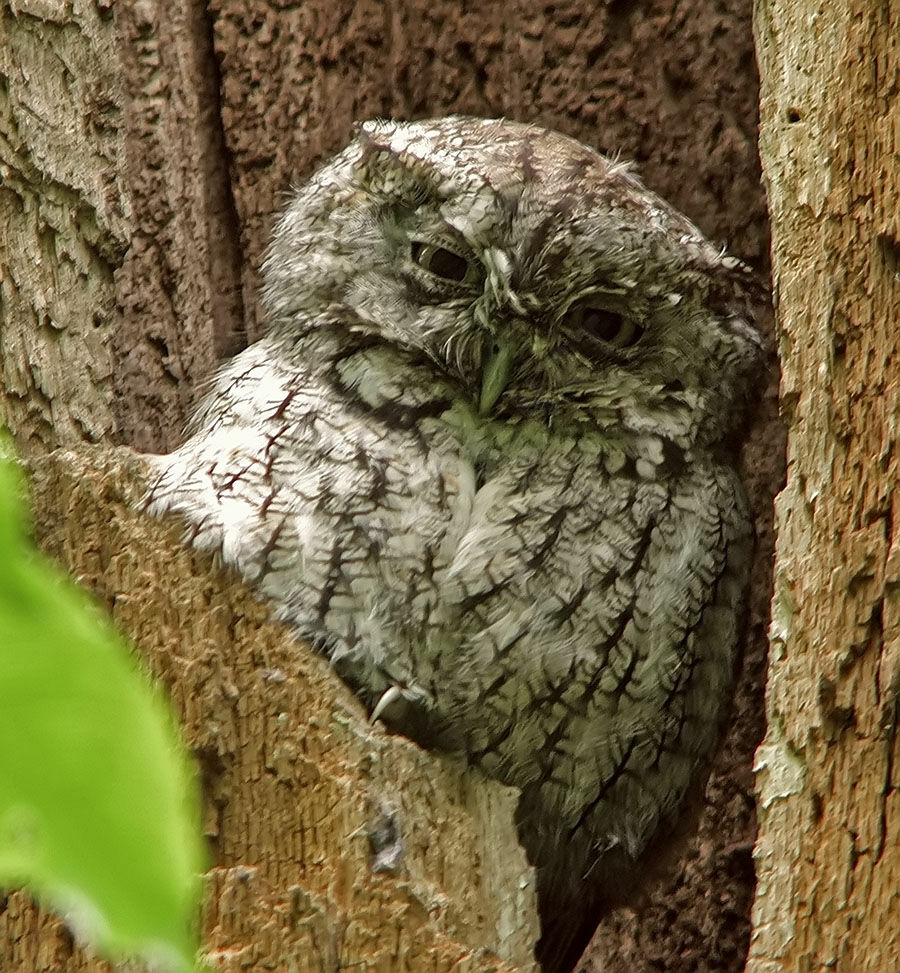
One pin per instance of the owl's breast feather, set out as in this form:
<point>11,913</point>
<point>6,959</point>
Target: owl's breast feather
<point>523,590</point>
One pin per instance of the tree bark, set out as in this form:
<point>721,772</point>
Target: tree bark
<point>333,843</point>
<point>143,148</point>
<point>828,854</point>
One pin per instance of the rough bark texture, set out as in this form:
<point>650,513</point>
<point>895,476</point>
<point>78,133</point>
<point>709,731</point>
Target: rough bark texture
<point>64,225</point>
<point>828,854</point>
<point>144,147</point>
<point>299,788</point>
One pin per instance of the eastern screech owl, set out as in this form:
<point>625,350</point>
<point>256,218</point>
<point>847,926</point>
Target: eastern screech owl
<point>482,459</point>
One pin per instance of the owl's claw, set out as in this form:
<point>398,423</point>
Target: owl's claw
<point>390,695</point>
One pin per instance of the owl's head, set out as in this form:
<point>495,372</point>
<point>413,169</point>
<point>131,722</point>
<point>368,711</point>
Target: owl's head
<point>536,277</point>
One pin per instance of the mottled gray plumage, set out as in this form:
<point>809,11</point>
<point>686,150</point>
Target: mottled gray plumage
<point>481,458</point>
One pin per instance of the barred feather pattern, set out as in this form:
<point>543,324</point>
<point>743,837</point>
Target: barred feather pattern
<point>519,538</point>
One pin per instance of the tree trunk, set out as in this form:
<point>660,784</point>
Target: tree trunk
<point>143,148</point>
<point>828,854</point>
<point>302,795</point>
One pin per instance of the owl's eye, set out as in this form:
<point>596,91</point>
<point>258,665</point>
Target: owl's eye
<point>605,325</point>
<point>441,262</point>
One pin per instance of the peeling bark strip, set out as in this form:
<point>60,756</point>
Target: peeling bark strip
<point>121,261</point>
<point>828,854</point>
<point>63,225</point>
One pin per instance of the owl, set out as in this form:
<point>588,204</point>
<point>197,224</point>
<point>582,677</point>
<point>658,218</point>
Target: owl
<point>483,459</point>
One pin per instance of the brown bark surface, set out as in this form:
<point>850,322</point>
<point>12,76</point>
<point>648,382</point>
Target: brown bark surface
<point>299,787</point>
<point>145,148</point>
<point>828,855</point>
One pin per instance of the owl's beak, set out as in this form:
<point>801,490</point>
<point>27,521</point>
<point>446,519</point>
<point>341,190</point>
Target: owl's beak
<point>495,374</point>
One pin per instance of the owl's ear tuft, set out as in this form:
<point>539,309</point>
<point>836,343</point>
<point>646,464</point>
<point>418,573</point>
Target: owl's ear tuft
<point>736,290</point>
<point>730,279</point>
<point>406,161</point>
<point>375,131</point>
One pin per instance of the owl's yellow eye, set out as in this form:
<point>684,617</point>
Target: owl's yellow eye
<point>441,262</point>
<point>605,325</point>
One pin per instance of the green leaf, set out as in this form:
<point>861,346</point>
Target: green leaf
<point>98,811</point>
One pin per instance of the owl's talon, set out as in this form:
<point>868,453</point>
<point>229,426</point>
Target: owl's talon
<point>390,695</point>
